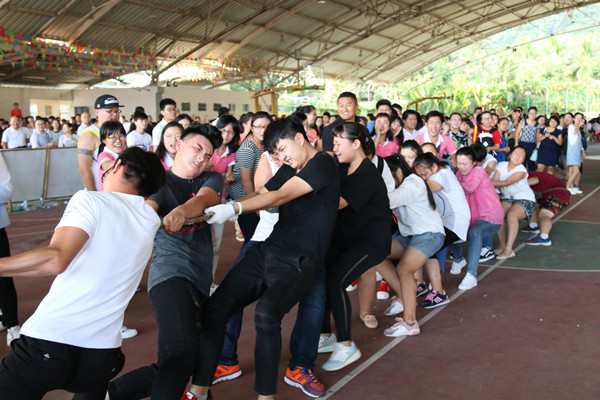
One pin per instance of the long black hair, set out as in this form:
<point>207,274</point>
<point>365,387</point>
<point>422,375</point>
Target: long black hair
<point>396,161</point>
<point>225,120</point>
<point>161,150</point>
<point>108,128</point>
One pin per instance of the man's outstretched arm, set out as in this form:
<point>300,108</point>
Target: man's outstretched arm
<point>53,259</point>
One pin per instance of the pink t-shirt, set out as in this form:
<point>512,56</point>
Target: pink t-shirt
<point>220,164</point>
<point>386,149</point>
<point>444,143</point>
<point>104,156</point>
<point>481,196</point>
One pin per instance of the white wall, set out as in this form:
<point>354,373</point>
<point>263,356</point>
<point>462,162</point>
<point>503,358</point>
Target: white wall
<point>10,95</point>
<point>210,97</point>
<point>130,98</point>
<point>148,97</point>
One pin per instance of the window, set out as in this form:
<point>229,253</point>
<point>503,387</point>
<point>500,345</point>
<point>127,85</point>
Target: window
<point>246,107</point>
<point>201,106</point>
<point>48,110</point>
<point>185,106</point>
<point>216,106</point>
<point>65,111</point>
<point>232,107</point>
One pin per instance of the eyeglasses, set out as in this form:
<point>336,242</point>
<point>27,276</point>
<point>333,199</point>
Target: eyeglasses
<point>114,138</point>
<point>259,127</point>
<point>231,132</point>
<point>111,112</point>
<point>106,173</point>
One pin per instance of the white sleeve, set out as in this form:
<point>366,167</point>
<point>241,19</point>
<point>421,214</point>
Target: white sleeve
<point>34,141</point>
<point>81,212</point>
<point>156,133</point>
<point>406,193</point>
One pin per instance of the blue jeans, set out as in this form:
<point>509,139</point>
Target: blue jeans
<point>477,232</point>
<point>488,242</point>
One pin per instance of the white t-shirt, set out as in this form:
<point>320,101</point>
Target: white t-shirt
<point>15,138</point>
<point>86,302</point>
<point>143,141</point>
<point>82,128</point>
<point>408,135</point>
<point>39,139</point>
<point>267,219</point>
<point>64,141</point>
<point>157,132</point>
<point>517,191</point>
<point>411,205</point>
<point>386,174</point>
<point>451,203</point>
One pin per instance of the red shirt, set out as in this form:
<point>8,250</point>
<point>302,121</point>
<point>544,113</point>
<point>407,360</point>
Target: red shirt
<point>548,182</point>
<point>16,112</point>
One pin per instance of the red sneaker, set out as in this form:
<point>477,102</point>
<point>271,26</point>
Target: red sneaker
<point>189,396</point>
<point>304,379</point>
<point>226,373</point>
<point>383,293</point>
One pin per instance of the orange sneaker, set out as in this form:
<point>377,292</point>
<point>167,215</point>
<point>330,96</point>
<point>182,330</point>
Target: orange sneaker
<point>226,373</point>
<point>304,379</point>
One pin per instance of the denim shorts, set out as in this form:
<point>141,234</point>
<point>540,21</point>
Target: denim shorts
<point>427,243</point>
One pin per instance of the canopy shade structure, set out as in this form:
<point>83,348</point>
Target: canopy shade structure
<point>383,41</point>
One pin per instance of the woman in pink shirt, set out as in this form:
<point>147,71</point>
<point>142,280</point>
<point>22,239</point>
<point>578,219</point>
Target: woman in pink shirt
<point>433,135</point>
<point>223,158</point>
<point>486,211</point>
<point>385,143</point>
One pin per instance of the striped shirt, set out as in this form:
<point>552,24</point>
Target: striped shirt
<point>246,157</point>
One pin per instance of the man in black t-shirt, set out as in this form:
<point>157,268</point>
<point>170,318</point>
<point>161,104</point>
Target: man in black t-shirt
<point>347,105</point>
<point>280,270</point>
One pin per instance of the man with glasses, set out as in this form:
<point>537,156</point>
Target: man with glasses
<point>99,251</point>
<point>181,270</point>
<point>168,111</point>
<point>106,109</point>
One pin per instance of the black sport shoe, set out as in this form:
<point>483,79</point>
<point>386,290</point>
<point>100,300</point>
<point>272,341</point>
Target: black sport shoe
<point>487,256</point>
<point>435,299</point>
<point>421,288</point>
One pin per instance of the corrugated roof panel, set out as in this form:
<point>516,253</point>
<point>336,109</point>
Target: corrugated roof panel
<point>48,6</point>
<point>20,22</point>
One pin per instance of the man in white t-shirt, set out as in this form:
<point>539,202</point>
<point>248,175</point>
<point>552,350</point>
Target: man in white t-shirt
<point>85,122</point>
<point>40,138</point>
<point>98,251</point>
<point>15,136</point>
<point>139,137</point>
<point>168,110</point>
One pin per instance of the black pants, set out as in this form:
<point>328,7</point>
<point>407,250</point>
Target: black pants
<point>8,293</point>
<point>177,306</point>
<point>275,277</point>
<point>344,266</point>
<point>36,366</point>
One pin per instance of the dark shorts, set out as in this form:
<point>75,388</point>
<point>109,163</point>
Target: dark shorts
<point>553,204</point>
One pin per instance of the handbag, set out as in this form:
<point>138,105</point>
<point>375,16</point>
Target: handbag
<point>534,155</point>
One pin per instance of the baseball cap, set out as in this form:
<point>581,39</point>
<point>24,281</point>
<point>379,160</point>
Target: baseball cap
<point>107,101</point>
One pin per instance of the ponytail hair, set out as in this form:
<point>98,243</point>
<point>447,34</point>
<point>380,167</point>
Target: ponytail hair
<point>427,160</point>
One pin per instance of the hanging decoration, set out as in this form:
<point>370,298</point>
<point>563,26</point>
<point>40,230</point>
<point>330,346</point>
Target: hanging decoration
<point>21,51</point>
<point>18,50</point>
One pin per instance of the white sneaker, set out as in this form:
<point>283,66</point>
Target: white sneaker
<point>127,333</point>
<point>577,190</point>
<point>457,267</point>
<point>2,327</point>
<point>326,343</point>
<point>402,328</point>
<point>342,356</point>
<point>395,308</point>
<point>13,334</point>
<point>468,282</point>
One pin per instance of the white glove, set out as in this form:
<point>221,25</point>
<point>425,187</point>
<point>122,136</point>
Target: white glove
<point>221,213</point>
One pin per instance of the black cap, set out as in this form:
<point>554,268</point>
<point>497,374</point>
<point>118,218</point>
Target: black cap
<point>106,101</point>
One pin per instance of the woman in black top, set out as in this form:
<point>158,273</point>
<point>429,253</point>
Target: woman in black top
<point>360,241</point>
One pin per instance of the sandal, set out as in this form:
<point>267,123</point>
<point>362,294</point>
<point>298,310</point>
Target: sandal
<point>499,251</point>
<point>369,320</point>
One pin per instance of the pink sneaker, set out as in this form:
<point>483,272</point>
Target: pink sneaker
<point>402,328</point>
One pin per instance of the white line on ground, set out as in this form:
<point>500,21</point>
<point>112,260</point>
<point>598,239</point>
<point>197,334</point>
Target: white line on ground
<point>385,349</point>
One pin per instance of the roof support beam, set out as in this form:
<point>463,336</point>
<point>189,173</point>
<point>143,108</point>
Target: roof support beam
<point>40,32</point>
<point>94,16</point>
